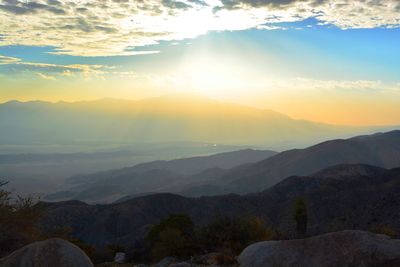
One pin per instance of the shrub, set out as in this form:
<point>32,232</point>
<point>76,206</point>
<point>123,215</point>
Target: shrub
<point>114,248</point>
<point>232,235</point>
<point>383,229</point>
<point>173,236</point>
<point>18,219</point>
<point>300,216</point>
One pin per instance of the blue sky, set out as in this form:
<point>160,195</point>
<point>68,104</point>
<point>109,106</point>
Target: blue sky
<point>321,52</point>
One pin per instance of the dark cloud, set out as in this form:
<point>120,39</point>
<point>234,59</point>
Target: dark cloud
<point>81,9</point>
<point>54,3</point>
<point>31,7</point>
<point>172,4</point>
<point>234,4</point>
<point>106,29</point>
<point>81,24</point>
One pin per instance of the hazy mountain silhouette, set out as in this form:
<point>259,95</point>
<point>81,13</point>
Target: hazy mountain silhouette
<point>42,169</point>
<point>381,149</point>
<point>156,176</point>
<point>163,119</point>
<point>204,176</point>
<point>340,197</point>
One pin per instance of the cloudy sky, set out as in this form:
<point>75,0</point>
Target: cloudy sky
<point>325,60</point>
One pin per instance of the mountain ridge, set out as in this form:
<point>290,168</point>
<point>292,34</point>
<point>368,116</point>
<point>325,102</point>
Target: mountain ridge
<point>160,119</point>
<point>382,150</point>
<point>154,176</point>
<point>358,201</point>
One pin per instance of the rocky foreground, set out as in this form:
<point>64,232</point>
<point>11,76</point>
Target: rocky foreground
<point>338,249</point>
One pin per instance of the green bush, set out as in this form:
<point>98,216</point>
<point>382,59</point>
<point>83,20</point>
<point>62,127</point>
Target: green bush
<point>232,235</point>
<point>173,236</point>
<point>300,216</point>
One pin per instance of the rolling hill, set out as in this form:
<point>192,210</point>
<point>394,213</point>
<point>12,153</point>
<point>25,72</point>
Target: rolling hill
<point>340,197</point>
<point>381,149</point>
<point>205,176</point>
<point>156,176</point>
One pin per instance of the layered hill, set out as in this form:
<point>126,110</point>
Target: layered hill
<point>156,176</point>
<point>339,197</point>
<point>381,149</point>
<point>203,176</point>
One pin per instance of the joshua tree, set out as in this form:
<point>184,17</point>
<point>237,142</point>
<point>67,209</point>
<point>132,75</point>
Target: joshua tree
<point>300,216</point>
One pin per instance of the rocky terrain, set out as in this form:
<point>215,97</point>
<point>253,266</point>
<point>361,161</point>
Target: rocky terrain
<point>337,249</point>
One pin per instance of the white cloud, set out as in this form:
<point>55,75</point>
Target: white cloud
<point>46,77</point>
<point>49,71</point>
<point>110,27</point>
<point>7,60</point>
<point>338,85</point>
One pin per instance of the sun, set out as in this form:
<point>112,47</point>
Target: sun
<point>211,77</point>
<point>207,75</point>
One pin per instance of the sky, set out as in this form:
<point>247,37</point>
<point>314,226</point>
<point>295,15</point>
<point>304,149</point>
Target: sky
<point>323,60</point>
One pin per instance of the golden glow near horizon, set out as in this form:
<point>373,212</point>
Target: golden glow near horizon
<point>230,80</point>
<point>327,105</point>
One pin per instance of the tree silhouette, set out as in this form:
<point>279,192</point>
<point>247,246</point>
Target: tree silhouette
<point>300,216</point>
<point>18,218</point>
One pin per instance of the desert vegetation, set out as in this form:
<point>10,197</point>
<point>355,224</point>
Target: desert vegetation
<point>18,218</point>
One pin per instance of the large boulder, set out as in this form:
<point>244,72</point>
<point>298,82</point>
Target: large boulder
<point>339,249</point>
<point>50,253</point>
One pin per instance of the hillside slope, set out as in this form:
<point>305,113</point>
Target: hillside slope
<point>156,176</point>
<point>382,149</point>
<point>340,197</point>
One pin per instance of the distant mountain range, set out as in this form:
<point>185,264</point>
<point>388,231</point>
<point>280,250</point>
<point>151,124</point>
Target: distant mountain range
<point>211,175</point>
<point>339,197</point>
<point>156,176</point>
<point>380,149</point>
<point>163,119</point>
<point>42,169</point>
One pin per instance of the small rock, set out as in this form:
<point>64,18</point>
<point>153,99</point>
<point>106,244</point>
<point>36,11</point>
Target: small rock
<point>120,257</point>
<point>166,262</point>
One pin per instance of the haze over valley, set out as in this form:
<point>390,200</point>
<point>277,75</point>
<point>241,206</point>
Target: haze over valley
<point>45,143</point>
<point>199,133</point>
